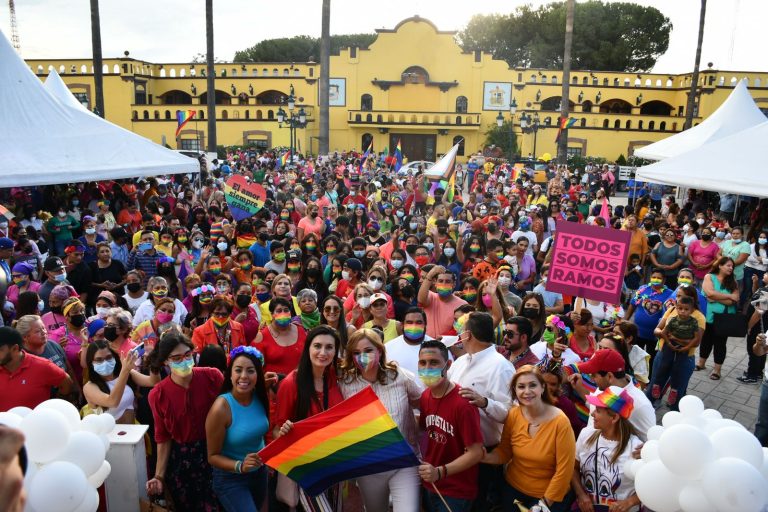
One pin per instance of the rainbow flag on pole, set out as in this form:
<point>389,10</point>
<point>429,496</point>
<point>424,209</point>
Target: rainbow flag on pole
<point>182,118</point>
<point>354,438</point>
<point>564,124</point>
<point>398,156</point>
<point>365,156</point>
<point>283,159</point>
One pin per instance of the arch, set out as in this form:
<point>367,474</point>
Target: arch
<point>605,123</point>
<point>401,118</point>
<point>669,82</point>
<point>275,72</point>
<point>533,79</point>
<point>73,69</point>
<point>286,72</point>
<point>617,124</point>
<point>39,69</point>
<point>651,125</point>
<point>552,104</point>
<point>172,73</point>
<point>721,81</point>
<point>436,119</point>
<point>605,82</point>
<point>175,97</point>
<point>458,119</point>
<point>168,115</point>
<point>254,72</point>
<point>201,115</point>
<point>658,82</point>
<point>647,82</point>
<point>366,102</point>
<point>83,69</point>
<point>594,80</point>
<point>271,97</point>
<point>626,82</point>
<point>379,118</point>
<point>365,141</point>
<point>615,106</point>
<point>134,116</point>
<point>674,127</point>
<point>162,73</point>
<point>390,118</point>
<point>460,141</point>
<point>663,126</point>
<point>63,70</point>
<point>554,80</point>
<point>234,72</point>
<point>182,73</point>
<point>734,81</point>
<point>586,106</point>
<point>615,82</point>
<point>222,98</point>
<point>543,79</point>
<point>259,115</point>
<point>369,118</point>
<point>145,115</point>
<point>224,114</point>
<point>462,104</point>
<point>638,82</point>
<point>192,72</point>
<point>640,125</point>
<point>157,115</point>
<point>424,119</point>
<point>758,83</point>
<point>247,114</point>
<point>585,80</point>
<point>575,80</point>
<point>265,72</point>
<point>270,114</point>
<point>415,75</point>
<point>296,72</point>
<point>413,119</point>
<point>628,124</point>
<point>656,108</point>
<point>583,122</point>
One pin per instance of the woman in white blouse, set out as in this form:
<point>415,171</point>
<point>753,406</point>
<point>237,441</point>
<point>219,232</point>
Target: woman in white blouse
<point>365,364</point>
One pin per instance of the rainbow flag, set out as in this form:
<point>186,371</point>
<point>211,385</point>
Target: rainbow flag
<point>182,118</point>
<point>354,438</point>
<point>398,156</point>
<point>283,159</point>
<point>564,124</point>
<point>365,156</point>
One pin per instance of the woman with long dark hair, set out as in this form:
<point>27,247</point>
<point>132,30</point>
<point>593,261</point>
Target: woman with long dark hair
<point>235,429</point>
<point>180,405</point>
<point>308,390</point>
<point>332,314</point>
<point>722,293</point>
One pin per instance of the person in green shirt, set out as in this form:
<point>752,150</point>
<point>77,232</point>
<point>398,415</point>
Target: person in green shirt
<point>60,227</point>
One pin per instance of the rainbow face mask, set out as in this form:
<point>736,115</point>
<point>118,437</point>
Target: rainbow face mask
<point>311,247</point>
<point>684,281</point>
<point>655,282</point>
<point>294,267</point>
<point>282,319</point>
<point>220,321</point>
<point>470,297</point>
<point>444,290</point>
<point>413,332</point>
<point>431,376</point>
<point>365,361</point>
<point>214,270</point>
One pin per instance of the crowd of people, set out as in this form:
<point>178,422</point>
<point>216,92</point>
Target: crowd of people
<point>145,299</point>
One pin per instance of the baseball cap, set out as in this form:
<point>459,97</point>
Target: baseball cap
<point>53,263</point>
<point>74,245</point>
<point>604,360</point>
<point>378,296</point>
<point>614,398</point>
<point>6,243</point>
<point>95,327</point>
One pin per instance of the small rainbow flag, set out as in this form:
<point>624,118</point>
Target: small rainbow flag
<point>365,156</point>
<point>354,438</point>
<point>398,156</point>
<point>283,159</point>
<point>182,118</point>
<point>564,124</point>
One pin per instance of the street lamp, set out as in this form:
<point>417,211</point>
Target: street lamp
<point>294,120</point>
<point>530,125</point>
<point>500,123</point>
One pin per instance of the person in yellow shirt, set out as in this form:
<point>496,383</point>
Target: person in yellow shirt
<point>537,446</point>
<point>538,197</point>
<point>638,244</point>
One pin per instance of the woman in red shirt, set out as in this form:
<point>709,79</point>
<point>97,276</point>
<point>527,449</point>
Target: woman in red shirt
<point>311,389</point>
<point>180,404</point>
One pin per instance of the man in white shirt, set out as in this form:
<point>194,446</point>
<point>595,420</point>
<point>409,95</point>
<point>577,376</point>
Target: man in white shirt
<point>158,288</point>
<point>405,349</point>
<point>607,368</point>
<point>484,376</point>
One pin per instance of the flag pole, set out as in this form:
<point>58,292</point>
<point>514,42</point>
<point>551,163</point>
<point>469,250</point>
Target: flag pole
<point>441,497</point>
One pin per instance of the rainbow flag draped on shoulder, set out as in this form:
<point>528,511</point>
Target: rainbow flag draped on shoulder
<point>354,438</point>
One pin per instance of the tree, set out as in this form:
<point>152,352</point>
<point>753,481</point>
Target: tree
<point>325,80</point>
<point>691,103</point>
<point>98,76</point>
<point>504,137</point>
<point>615,36</point>
<point>300,48</point>
<point>562,141</point>
<point>211,75</point>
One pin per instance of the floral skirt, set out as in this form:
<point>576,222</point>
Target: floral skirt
<point>188,478</point>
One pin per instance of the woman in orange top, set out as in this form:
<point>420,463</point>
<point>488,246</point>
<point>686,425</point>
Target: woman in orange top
<point>220,329</point>
<point>538,443</point>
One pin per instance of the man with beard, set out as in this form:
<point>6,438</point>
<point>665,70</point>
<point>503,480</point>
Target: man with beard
<point>516,337</point>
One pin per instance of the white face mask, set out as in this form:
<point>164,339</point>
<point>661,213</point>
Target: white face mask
<point>62,214</point>
<point>345,275</point>
<point>700,222</point>
<point>160,210</point>
<point>364,302</point>
<point>222,246</point>
<point>504,281</point>
<point>90,231</point>
<point>449,251</point>
<point>102,312</point>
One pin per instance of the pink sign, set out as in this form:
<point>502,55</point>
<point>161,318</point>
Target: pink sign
<point>589,261</point>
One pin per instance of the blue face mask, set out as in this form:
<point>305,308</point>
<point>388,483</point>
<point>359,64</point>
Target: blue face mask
<point>144,246</point>
<point>263,297</point>
<point>60,277</point>
<point>105,367</point>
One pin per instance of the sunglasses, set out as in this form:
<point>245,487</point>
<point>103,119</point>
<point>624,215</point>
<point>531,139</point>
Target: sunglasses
<point>331,309</point>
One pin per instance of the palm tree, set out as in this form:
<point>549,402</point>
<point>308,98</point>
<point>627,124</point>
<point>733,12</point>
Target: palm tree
<point>210,76</point>
<point>325,62</point>
<point>691,104</point>
<point>562,143</point>
<point>98,76</point>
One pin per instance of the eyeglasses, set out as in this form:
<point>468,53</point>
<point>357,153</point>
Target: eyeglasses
<point>180,357</point>
<point>510,334</point>
<point>331,309</point>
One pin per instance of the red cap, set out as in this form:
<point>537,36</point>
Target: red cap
<point>605,360</point>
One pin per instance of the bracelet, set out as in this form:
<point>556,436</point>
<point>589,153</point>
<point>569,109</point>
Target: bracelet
<point>445,471</point>
<point>159,477</point>
<point>238,466</point>
<point>439,476</point>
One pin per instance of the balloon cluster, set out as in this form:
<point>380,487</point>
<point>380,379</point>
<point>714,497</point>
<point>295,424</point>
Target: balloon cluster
<point>66,455</point>
<point>696,461</point>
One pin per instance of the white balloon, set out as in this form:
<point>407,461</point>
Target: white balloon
<point>711,414</point>
<point>105,442</point>
<point>733,485</point>
<point>20,411</point>
<point>671,418</point>
<point>100,475</point>
<point>658,488</point>
<point>650,451</point>
<point>85,450</point>
<point>47,434</point>
<point>90,502</point>
<point>91,423</point>
<point>685,450</point>
<point>693,499</point>
<point>32,470</point>
<point>764,469</point>
<point>654,433</point>
<point>629,469</point>
<point>691,406</point>
<point>107,423</point>
<point>10,419</point>
<point>58,487</point>
<point>739,443</point>
<point>68,410</point>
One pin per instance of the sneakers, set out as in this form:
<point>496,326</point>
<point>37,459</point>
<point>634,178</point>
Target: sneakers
<point>656,391</point>
<point>672,397</point>
<point>746,379</point>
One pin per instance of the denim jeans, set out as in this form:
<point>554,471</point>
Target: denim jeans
<point>433,503</point>
<point>761,427</point>
<point>240,492</point>
<point>672,371</point>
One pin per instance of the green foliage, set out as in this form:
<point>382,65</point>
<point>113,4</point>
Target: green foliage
<point>621,160</point>
<point>579,162</point>
<point>615,36</point>
<point>504,137</point>
<point>300,48</point>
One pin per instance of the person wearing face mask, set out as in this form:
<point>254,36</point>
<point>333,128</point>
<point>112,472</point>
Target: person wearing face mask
<point>404,349</point>
<point>739,251</point>
<point>108,376</point>
<point>144,256</point>
<point>702,254</point>
<point>350,277</point>
<point>90,239</point>
<point>360,312</point>
<point>21,274</point>
<point>453,442</point>
<point>134,292</point>
<point>157,287</point>
<point>365,364</point>
<point>310,223</point>
<point>108,274</point>
<point>647,306</point>
<point>220,329</point>
<point>147,332</point>
<point>73,335</point>
<point>180,405</point>
<point>494,258</point>
<point>755,267</point>
<point>61,227</point>
<point>440,304</point>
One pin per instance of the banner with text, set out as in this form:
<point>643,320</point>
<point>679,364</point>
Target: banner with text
<point>589,262</point>
<point>243,197</point>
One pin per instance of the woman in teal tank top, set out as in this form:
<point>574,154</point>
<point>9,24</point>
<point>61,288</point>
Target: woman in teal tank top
<point>235,430</point>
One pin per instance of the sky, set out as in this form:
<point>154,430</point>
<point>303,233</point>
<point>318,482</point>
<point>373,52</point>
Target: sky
<point>174,30</point>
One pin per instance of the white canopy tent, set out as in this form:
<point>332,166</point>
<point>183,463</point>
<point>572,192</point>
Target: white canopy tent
<point>59,90</point>
<point>44,141</point>
<point>734,165</point>
<point>737,113</point>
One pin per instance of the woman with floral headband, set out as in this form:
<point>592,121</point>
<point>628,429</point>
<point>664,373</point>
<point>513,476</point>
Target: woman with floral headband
<point>220,329</point>
<point>201,307</point>
<point>235,429</point>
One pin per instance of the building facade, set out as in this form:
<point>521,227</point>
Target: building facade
<point>413,84</point>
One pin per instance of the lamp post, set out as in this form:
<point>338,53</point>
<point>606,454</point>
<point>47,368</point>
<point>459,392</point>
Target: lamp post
<point>530,125</point>
<point>294,120</point>
<point>500,123</point>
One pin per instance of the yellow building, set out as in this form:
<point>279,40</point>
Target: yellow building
<point>412,84</point>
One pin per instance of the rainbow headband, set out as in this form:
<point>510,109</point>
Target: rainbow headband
<point>556,321</point>
<point>203,289</point>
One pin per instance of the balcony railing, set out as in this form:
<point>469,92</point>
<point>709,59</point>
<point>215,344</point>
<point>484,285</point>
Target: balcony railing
<point>605,121</point>
<point>405,117</point>
<point>223,112</point>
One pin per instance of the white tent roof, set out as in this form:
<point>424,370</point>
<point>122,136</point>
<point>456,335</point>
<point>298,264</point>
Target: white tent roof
<point>59,90</point>
<point>738,112</point>
<point>733,164</point>
<point>44,141</point>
